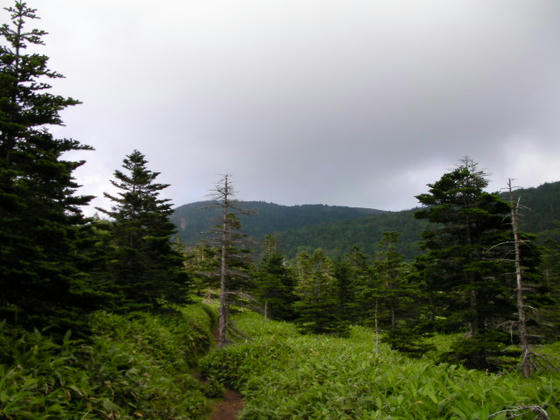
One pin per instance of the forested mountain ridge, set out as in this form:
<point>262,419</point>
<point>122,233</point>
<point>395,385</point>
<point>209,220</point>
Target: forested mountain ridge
<point>337,229</point>
<point>540,207</point>
<point>195,221</point>
<point>112,318</point>
<point>365,232</point>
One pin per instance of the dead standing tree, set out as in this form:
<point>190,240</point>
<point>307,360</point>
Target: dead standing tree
<point>523,338</point>
<point>228,236</point>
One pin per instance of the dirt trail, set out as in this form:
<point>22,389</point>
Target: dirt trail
<point>229,408</point>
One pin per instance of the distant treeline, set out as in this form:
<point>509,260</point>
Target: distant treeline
<point>337,229</point>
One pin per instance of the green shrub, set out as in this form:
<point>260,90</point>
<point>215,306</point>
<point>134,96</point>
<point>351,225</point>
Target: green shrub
<point>285,375</point>
<point>133,366</point>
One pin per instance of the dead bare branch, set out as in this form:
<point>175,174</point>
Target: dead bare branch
<point>521,411</point>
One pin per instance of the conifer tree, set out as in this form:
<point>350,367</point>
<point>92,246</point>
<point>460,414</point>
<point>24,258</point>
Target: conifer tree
<point>466,223</point>
<point>147,270</point>
<point>201,262</point>
<point>319,294</point>
<point>354,276</point>
<point>389,269</point>
<point>275,283</point>
<point>233,260</point>
<point>40,216</point>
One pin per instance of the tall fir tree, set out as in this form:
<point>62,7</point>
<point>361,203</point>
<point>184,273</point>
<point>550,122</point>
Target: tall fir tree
<point>319,309</point>
<point>462,260</point>
<point>201,262</point>
<point>275,283</point>
<point>354,274</point>
<point>147,270</point>
<point>389,270</point>
<point>40,216</point>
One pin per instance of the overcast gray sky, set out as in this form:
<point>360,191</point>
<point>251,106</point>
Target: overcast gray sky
<point>351,102</point>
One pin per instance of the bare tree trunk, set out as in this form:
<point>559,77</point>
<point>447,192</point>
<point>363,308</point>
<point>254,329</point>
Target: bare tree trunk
<point>222,321</point>
<point>265,310</point>
<point>376,331</point>
<point>524,341</point>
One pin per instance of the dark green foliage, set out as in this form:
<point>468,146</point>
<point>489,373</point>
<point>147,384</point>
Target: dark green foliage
<point>389,272</point>
<point>549,314</point>
<point>318,307</point>
<point>238,256</point>
<point>354,275</point>
<point>146,269</point>
<point>213,388</point>
<point>133,366</point>
<point>338,238</point>
<point>201,263</point>
<point>275,283</point>
<point>490,344</point>
<point>463,259</point>
<point>337,230</point>
<point>40,217</point>
<point>542,207</point>
<point>408,340</point>
<point>195,221</point>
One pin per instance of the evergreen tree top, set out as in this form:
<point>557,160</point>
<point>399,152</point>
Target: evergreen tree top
<point>138,193</point>
<point>23,75</point>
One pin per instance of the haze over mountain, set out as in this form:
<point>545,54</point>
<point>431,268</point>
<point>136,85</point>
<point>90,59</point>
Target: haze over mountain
<point>307,100</point>
<point>196,220</point>
<point>337,229</point>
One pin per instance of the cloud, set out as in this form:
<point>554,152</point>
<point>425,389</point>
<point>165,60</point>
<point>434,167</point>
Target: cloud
<point>340,102</point>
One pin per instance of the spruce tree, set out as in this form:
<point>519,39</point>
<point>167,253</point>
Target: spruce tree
<point>146,269</point>
<point>354,275</point>
<point>462,261</point>
<point>201,262</point>
<point>40,216</point>
<point>275,283</point>
<point>389,270</point>
<point>319,309</point>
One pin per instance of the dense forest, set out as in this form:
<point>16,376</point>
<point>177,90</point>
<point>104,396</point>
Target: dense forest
<point>337,229</point>
<point>449,310</point>
<point>196,220</point>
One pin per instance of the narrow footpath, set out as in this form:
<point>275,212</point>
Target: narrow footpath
<point>229,408</point>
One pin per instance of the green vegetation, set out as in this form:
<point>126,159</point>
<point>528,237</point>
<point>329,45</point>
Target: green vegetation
<point>463,257</point>
<point>133,366</point>
<point>286,375</point>
<point>144,268</point>
<point>337,230</point>
<point>195,221</point>
<point>91,322</point>
<point>40,218</point>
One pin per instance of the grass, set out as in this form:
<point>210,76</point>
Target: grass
<point>134,366</point>
<point>139,366</point>
<point>285,375</point>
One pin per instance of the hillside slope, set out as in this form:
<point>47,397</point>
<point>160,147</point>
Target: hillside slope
<point>540,207</point>
<point>196,220</point>
<point>540,214</point>
<point>337,229</point>
<point>365,232</point>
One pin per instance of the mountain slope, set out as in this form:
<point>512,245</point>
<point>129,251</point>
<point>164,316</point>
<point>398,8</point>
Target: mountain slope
<point>196,220</point>
<point>337,229</point>
<point>540,207</point>
<point>540,213</point>
<point>365,232</point>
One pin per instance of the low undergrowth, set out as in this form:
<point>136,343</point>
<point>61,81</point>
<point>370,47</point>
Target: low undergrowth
<point>284,375</point>
<point>134,366</point>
